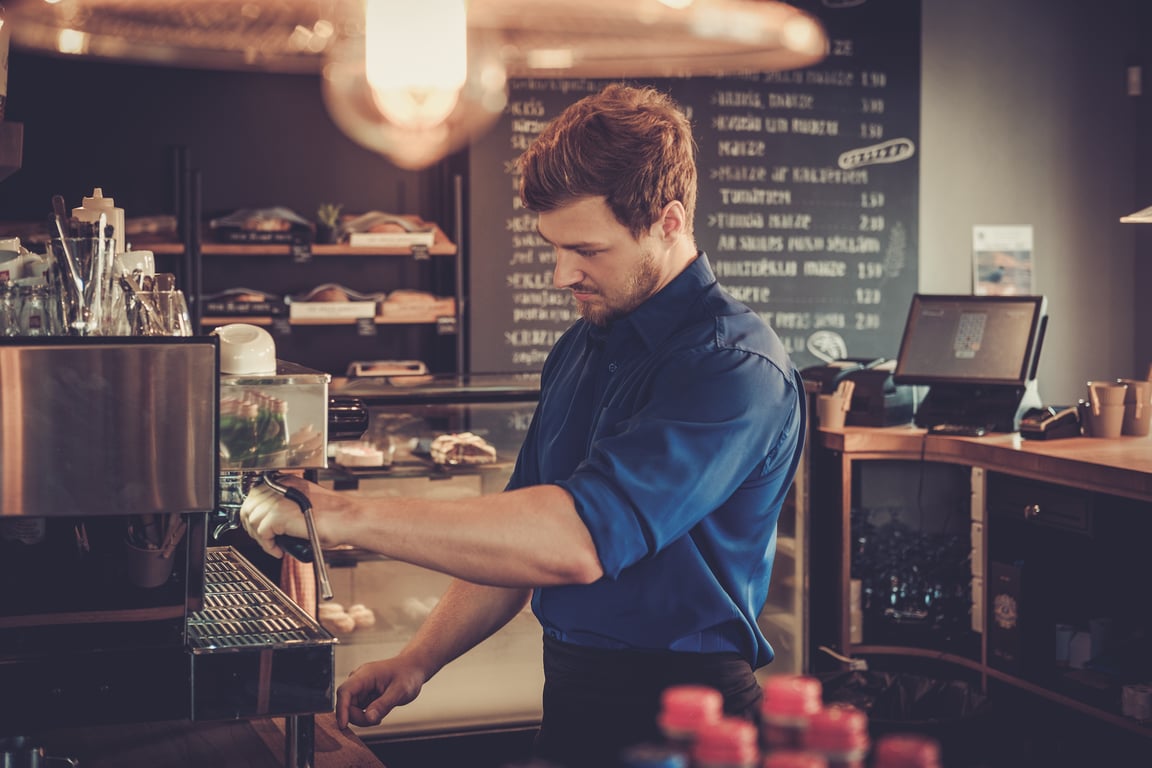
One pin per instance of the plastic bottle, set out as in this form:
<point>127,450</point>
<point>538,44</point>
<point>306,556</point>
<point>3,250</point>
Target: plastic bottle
<point>789,703</point>
<point>791,758</point>
<point>653,756</point>
<point>684,709</point>
<point>90,210</point>
<point>273,432</point>
<point>730,742</point>
<point>906,750</point>
<point>839,732</point>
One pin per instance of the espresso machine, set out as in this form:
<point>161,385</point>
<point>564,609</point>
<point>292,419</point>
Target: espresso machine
<point>116,606</point>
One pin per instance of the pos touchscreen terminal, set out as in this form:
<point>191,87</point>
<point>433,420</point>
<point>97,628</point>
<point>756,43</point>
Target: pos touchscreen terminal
<point>977,355</point>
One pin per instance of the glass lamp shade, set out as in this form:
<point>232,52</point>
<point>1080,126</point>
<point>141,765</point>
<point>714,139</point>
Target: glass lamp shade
<point>413,129</point>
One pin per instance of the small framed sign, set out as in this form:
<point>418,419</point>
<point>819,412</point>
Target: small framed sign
<point>1002,262</point>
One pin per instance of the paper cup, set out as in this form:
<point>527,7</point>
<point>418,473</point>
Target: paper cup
<point>1137,407</point>
<point>831,411</point>
<point>1106,393</point>
<point>1108,422</point>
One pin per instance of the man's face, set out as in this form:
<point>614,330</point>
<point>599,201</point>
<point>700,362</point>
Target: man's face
<point>608,271</point>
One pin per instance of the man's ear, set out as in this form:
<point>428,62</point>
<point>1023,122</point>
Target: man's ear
<point>673,221</point>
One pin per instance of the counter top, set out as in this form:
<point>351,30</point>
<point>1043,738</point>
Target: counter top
<point>1120,466</point>
<point>186,744</point>
<point>463,388</point>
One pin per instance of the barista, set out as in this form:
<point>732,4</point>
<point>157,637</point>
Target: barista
<point>640,517</point>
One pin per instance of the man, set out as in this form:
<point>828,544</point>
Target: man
<point>640,518</point>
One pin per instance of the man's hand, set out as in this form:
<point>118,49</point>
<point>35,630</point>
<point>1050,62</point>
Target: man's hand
<point>374,689</point>
<point>266,514</point>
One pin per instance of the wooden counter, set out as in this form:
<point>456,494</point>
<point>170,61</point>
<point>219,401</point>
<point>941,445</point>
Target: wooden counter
<point>1120,466</point>
<point>185,744</point>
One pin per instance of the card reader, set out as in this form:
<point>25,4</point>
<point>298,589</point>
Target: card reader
<point>1050,423</point>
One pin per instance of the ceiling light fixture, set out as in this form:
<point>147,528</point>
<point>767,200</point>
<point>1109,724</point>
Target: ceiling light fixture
<point>418,81</point>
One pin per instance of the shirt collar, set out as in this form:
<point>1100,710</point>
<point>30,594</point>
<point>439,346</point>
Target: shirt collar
<point>659,317</point>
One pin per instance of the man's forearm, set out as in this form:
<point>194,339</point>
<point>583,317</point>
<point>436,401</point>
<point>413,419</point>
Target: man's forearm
<point>466,615</point>
<point>523,538</point>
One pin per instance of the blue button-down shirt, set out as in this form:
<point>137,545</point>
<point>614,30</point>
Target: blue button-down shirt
<point>676,430</point>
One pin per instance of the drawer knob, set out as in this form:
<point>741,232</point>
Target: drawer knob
<point>1031,511</point>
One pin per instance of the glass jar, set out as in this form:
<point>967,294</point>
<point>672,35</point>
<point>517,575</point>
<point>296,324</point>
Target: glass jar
<point>9,310</point>
<point>35,311</point>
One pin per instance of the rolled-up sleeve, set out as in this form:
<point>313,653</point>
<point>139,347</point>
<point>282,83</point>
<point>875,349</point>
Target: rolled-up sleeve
<point>654,472</point>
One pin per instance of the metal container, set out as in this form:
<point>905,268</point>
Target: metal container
<point>274,421</point>
<point>110,426</point>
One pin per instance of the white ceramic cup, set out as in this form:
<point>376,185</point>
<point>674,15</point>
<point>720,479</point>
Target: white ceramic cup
<point>245,349</point>
<point>11,266</point>
<point>126,262</point>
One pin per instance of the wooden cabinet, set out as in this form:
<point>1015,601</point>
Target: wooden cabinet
<point>1023,562</point>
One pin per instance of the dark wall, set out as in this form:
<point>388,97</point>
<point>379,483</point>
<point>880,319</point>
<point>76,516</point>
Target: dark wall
<point>1139,15</point>
<point>258,140</point>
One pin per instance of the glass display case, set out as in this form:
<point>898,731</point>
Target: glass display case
<point>381,602</point>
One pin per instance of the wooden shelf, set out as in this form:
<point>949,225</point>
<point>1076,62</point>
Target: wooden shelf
<point>265,320</point>
<point>441,246</point>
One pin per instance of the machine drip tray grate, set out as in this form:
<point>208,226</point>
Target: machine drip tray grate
<point>243,610</point>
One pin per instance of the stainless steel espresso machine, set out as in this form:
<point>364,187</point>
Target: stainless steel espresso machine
<point>115,604</point>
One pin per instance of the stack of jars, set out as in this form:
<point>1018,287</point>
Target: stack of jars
<point>795,730</point>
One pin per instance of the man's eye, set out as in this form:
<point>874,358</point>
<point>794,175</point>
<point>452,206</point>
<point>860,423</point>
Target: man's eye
<point>586,254</point>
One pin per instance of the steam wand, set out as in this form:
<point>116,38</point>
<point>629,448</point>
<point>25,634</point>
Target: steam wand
<point>304,551</point>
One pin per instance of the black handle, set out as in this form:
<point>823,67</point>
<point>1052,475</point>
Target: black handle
<point>297,547</point>
<point>301,549</point>
<point>347,418</point>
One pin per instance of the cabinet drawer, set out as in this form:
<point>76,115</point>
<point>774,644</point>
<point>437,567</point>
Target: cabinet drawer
<point>1015,498</point>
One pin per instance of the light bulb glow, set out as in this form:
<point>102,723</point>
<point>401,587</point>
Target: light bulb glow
<point>72,41</point>
<point>416,62</point>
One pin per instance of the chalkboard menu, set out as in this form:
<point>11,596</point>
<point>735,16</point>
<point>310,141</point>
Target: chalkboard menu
<point>808,202</point>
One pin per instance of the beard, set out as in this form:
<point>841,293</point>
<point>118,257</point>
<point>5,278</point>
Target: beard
<point>637,288</point>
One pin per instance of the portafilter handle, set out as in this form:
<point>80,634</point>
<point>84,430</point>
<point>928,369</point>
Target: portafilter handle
<point>304,551</point>
<point>347,418</point>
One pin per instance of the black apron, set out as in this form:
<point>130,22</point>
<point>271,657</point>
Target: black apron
<point>597,701</point>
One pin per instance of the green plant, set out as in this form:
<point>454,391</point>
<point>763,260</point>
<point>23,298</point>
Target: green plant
<point>328,214</point>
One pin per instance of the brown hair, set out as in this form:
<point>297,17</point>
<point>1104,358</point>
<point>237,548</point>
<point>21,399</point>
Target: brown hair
<point>633,146</point>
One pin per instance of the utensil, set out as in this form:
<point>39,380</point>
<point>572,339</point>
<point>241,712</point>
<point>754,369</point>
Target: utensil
<point>59,216</point>
<point>141,313</point>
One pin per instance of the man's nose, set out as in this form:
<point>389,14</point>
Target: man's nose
<point>565,273</point>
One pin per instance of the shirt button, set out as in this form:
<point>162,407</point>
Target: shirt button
<point>612,367</point>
